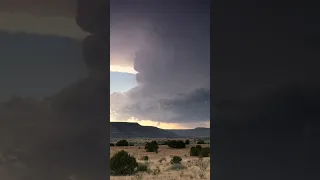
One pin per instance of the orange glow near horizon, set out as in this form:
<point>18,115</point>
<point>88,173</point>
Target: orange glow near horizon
<point>125,69</point>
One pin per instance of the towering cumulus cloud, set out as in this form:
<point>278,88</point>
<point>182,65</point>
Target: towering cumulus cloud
<point>169,49</point>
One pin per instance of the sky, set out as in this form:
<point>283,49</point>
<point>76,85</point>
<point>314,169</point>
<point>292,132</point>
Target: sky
<point>159,57</point>
<point>167,44</point>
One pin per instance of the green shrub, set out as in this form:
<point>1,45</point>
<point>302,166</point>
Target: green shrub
<point>122,163</point>
<point>130,144</point>
<point>176,160</point>
<point>187,141</point>
<point>111,144</point>
<point>151,146</point>
<point>142,167</point>
<point>205,152</point>
<point>145,158</point>
<point>194,151</point>
<point>199,151</point>
<point>201,142</point>
<point>122,143</point>
<point>176,144</point>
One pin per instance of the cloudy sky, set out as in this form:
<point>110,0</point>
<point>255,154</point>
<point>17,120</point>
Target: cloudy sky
<point>167,45</point>
<point>159,61</point>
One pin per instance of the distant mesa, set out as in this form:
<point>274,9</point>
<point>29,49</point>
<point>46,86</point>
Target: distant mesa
<point>130,130</point>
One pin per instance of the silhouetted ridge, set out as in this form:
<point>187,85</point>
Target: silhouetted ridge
<point>129,130</point>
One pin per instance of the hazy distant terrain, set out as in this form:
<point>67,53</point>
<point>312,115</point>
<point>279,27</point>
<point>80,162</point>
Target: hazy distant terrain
<point>130,130</point>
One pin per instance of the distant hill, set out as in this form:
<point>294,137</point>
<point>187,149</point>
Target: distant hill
<point>197,132</point>
<point>130,130</point>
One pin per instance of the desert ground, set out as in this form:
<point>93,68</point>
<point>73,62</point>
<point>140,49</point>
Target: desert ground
<point>160,166</point>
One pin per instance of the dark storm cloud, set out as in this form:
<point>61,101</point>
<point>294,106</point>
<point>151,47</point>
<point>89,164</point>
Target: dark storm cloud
<point>173,62</point>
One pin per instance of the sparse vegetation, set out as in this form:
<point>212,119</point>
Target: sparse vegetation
<point>142,167</point>
<point>176,144</point>
<point>195,151</point>
<point>187,141</point>
<point>201,142</point>
<point>176,160</point>
<point>205,152</point>
<point>123,164</point>
<point>122,143</point>
<point>111,144</point>
<point>199,151</point>
<point>145,158</point>
<point>165,165</point>
<point>151,146</point>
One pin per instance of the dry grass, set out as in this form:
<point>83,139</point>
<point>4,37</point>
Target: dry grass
<point>160,167</point>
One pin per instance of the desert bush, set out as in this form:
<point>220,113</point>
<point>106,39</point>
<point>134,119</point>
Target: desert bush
<point>145,158</point>
<point>111,144</point>
<point>142,167</point>
<point>176,144</point>
<point>130,144</point>
<point>201,142</point>
<point>199,151</point>
<point>122,163</point>
<point>176,160</point>
<point>187,141</point>
<point>205,152</point>
<point>195,151</point>
<point>122,143</point>
<point>151,146</point>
